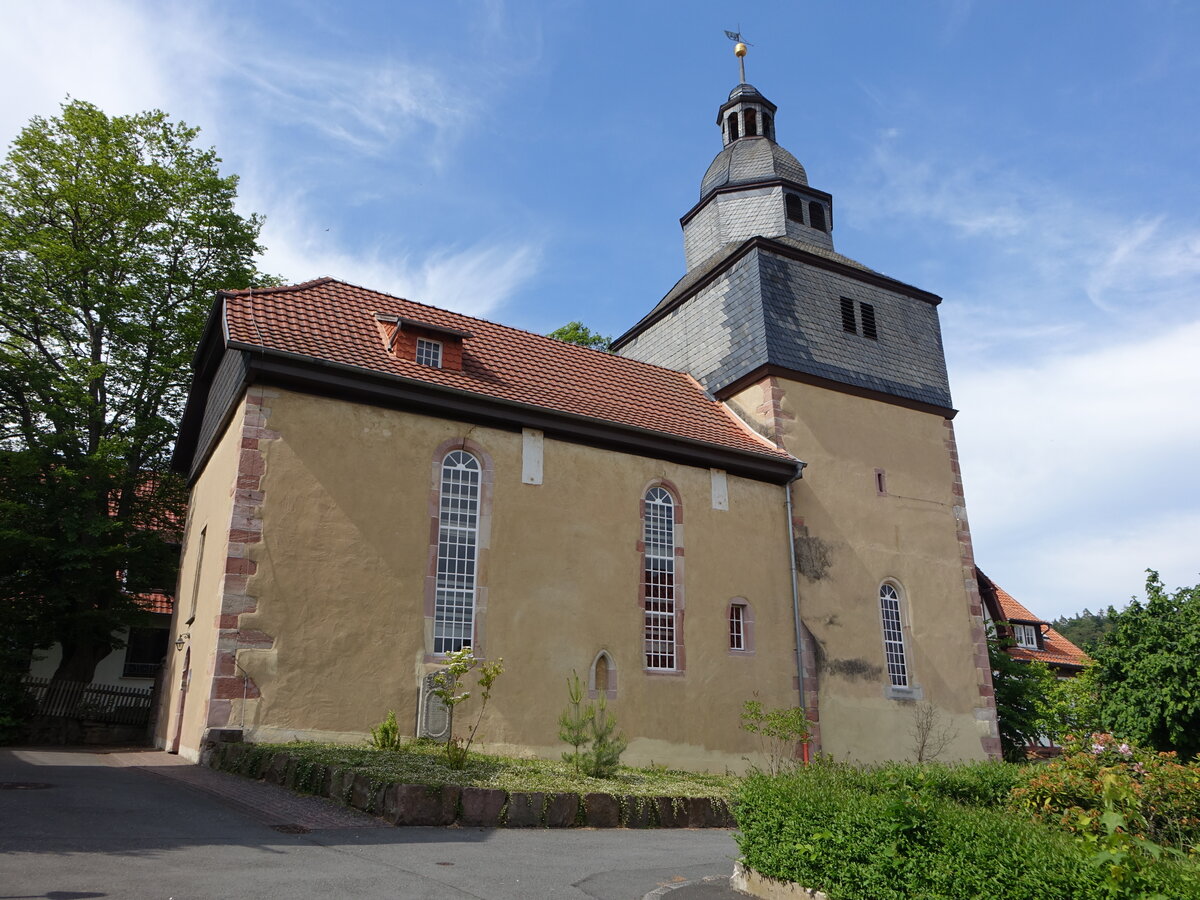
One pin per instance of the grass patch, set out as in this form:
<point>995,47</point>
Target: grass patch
<point>424,762</point>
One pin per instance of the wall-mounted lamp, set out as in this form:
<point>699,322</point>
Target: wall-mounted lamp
<point>179,641</point>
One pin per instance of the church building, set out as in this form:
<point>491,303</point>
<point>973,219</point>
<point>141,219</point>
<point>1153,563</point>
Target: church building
<point>755,496</point>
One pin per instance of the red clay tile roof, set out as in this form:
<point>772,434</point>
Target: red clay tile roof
<point>155,602</point>
<point>1056,649</point>
<point>333,321</point>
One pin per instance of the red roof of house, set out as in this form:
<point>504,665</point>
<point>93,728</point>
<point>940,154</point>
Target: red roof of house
<point>336,322</point>
<point>1056,649</point>
<point>155,602</point>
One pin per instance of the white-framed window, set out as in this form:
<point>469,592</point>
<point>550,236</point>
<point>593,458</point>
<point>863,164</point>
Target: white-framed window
<point>737,626</point>
<point>1026,636</point>
<point>658,578</point>
<point>429,353</point>
<point>893,635</point>
<point>458,539</point>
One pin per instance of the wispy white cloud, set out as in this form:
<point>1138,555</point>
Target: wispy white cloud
<point>1033,253</point>
<point>246,91</point>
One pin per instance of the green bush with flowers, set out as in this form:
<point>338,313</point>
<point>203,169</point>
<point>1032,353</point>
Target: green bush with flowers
<point>1158,796</point>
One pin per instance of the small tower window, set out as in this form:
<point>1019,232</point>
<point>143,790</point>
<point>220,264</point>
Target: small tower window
<point>795,208</point>
<point>751,118</point>
<point>768,126</point>
<point>429,353</point>
<point>849,323</point>
<point>816,215</point>
<point>731,123</point>
<point>868,321</point>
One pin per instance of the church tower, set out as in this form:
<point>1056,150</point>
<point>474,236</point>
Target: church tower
<point>843,367</point>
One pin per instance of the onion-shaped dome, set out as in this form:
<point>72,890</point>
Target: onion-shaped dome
<point>751,159</point>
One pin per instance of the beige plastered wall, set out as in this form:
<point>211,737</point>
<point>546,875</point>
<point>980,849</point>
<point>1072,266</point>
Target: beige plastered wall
<point>852,539</point>
<point>199,596</point>
<point>340,587</point>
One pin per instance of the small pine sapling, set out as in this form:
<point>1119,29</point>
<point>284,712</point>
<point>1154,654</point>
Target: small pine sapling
<point>602,760</point>
<point>575,721</point>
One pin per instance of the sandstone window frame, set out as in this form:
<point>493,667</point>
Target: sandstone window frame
<point>435,650</point>
<point>660,591</point>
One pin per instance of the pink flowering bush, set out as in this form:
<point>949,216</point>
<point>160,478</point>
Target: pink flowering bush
<point>1160,796</point>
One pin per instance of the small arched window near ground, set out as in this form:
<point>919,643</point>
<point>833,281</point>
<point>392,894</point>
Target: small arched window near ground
<point>741,626</point>
<point>795,208</point>
<point>458,538</point>
<point>658,578</point>
<point>816,215</point>
<point>602,680</point>
<point>893,635</point>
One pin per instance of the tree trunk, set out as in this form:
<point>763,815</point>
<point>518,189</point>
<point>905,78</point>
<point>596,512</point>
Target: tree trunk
<point>79,660</point>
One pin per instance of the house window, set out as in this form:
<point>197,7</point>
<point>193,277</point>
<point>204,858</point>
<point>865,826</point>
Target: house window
<point>1027,636</point>
<point>737,627</point>
<point>816,215</point>
<point>893,635</point>
<point>144,652</point>
<point>429,353</point>
<point>196,574</point>
<point>658,578</point>
<point>795,208</point>
<point>458,535</point>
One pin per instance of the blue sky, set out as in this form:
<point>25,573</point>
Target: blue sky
<point>1033,163</point>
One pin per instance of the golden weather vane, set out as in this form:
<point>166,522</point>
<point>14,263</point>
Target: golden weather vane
<point>739,50</point>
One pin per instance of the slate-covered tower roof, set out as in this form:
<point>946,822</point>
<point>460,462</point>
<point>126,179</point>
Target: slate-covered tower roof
<point>764,287</point>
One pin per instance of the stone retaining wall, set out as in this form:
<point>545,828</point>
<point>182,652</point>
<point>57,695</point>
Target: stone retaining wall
<point>416,804</point>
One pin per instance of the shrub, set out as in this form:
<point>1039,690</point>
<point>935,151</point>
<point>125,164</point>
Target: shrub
<point>386,735</point>
<point>778,730</point>
<point>1164,794</point>
<point>581,724</point>
<point>447,686</point>
<point>820,827</point>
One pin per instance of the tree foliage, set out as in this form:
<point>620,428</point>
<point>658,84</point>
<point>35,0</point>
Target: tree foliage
<point>1020,689</point>
<point>115,232</point>
<point>1148,669</point>
<point>578,333</point>
<point>1086,629</point>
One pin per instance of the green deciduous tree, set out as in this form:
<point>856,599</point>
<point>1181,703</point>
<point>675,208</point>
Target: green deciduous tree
<point>115,232</point>
<point>578,333</point>
<point>1148,670</point>
<point>1021,688</point>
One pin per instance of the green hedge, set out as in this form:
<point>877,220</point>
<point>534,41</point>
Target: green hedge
<point>878,835</point>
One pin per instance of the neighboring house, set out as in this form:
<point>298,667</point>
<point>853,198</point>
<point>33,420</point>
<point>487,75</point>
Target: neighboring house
<point>137,663</point>
<point>1031,637</point>
<point>376,483</point>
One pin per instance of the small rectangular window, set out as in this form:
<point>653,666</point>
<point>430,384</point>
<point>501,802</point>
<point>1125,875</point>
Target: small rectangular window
<point>737,627</point>
<point>144,652</point>
<point>429,353</point>
<point>868,321</point>
<point>849,323</point>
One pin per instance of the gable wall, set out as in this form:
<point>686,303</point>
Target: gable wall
<point>340,578</point>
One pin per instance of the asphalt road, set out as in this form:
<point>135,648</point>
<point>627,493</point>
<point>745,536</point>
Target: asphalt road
<point>77,824</point>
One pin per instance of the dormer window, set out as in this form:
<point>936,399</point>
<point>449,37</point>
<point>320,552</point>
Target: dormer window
<point>1026,636</point>
<point>424,343</point>
<point>429,353</point>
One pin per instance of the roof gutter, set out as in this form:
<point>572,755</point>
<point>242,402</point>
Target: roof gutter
<point>791,528</point>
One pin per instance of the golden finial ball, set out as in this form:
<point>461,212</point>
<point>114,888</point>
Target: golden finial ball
<point>739,49</point>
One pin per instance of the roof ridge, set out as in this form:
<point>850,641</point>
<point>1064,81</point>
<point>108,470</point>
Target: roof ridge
<point>275,289</point>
